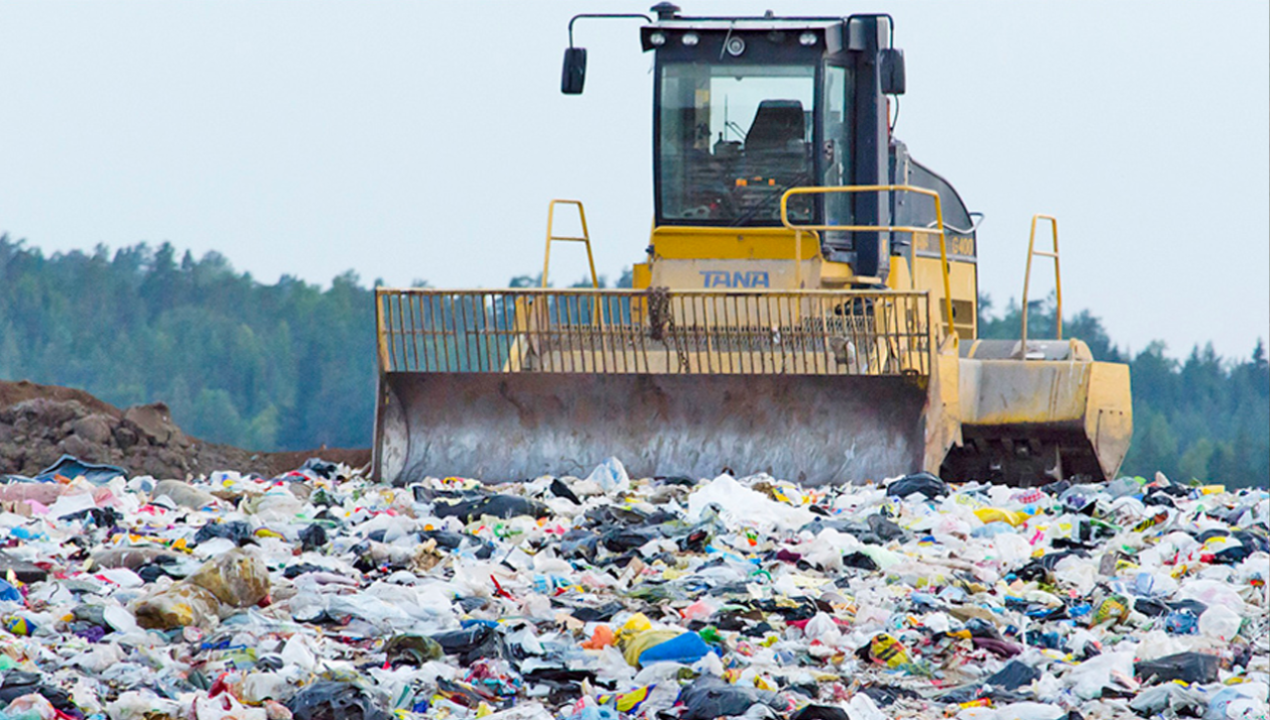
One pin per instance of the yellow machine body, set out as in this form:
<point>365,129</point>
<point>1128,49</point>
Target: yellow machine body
<point>807,308</point>
<point>731,353</point>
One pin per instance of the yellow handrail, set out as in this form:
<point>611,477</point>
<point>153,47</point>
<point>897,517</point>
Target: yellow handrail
<point>939,217</point>
<point>552,237</point>
<point>1027,276</point>
<point>381,330</point>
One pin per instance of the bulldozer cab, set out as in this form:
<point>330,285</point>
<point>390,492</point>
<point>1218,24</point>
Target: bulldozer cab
<point>745,110</point>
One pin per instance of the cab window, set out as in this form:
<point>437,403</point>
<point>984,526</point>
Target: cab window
<point>733,139</point>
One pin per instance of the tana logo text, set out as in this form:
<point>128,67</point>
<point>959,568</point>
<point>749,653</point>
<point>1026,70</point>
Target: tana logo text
<point>738,279</point>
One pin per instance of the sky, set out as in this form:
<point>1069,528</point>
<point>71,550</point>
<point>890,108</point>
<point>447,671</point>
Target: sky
<point>423,140</point>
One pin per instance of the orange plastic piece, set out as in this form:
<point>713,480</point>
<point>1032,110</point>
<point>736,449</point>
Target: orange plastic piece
<point>600,639</point>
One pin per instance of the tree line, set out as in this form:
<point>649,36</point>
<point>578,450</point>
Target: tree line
<point>291,365</point>
<point>282,366</point>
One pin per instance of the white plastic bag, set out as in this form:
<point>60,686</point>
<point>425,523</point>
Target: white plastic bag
<point>611,476</point>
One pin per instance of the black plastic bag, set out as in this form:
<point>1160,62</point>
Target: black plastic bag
<point>237,530</point>
<point>579,544</point>
<point>291,572</point>
<point>623,539</point>
<point>885,529</point>
<point>922,482</point>
<point>820,712</point>
<point>313,537</point>
<point>884,695</point>
<point>709,697</point>
<point>469,643</point>
<point>161,566</point>
<point>106,517</point>
<point>1191,667</point>
<point>876,530</point>
<point>19,682</point>
<point>1013,676</point>
<point>597,614</point>
<point>981,628</point>
<point>320,467</point>
<point>453,540</point>
<point>858,559</point>
<point>499,506</point>
<point>1255,540</point>
<point>1150,607</point>
<point>327,700</point>
<point>560,490</point>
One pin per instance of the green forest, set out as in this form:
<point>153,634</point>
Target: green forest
<point>291,365</point>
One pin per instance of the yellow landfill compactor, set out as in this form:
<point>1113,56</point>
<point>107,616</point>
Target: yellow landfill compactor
<point>807,307</point>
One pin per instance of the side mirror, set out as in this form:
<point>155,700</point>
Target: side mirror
<point>891,70</point>
<point>573,77</point>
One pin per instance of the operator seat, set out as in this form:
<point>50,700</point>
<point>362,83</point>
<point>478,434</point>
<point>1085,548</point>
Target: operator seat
<point>776,124</point>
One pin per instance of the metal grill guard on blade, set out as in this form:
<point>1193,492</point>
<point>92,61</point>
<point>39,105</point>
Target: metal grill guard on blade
<point>827,385</point>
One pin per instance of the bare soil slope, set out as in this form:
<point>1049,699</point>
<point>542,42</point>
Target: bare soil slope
<point>40,423</point>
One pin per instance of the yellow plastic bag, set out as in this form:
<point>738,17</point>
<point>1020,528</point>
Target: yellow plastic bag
<point>236,578</point>
<point>637,624</point>
<point>628,701</point>
<point>888,651</point>
<point>178,606</point>
<point>641,642</point>
<point>991,514</point>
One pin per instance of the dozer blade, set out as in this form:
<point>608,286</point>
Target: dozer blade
<point>815,429</point>
<point>819,386</point>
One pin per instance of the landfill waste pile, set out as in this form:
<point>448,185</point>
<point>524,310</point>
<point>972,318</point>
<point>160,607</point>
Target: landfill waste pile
<point>41,423</point>
<point>320,595</point>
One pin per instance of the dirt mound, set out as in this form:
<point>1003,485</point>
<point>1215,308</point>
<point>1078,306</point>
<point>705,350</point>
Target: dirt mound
<point>279,462</point>
<point>40,423</point>
<point>12,393</point>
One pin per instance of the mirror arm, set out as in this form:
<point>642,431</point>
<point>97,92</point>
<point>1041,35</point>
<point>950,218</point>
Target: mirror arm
<point>628,16</point>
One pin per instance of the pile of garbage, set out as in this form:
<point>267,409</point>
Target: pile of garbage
<point>319,595</point>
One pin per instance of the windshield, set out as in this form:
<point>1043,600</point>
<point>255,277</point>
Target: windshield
<point>733,139</point>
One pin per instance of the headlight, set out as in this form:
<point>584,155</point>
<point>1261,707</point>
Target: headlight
<point>657,39</point>
<point>807,38</point>
<point>691,39</point>
<point>735,46</point>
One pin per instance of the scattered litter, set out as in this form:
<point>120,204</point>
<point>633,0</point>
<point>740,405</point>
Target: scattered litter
<point>320,595</point>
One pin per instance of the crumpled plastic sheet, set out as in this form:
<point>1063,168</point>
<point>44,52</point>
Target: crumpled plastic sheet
<point>69,466</point>
<point>322,595</point>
